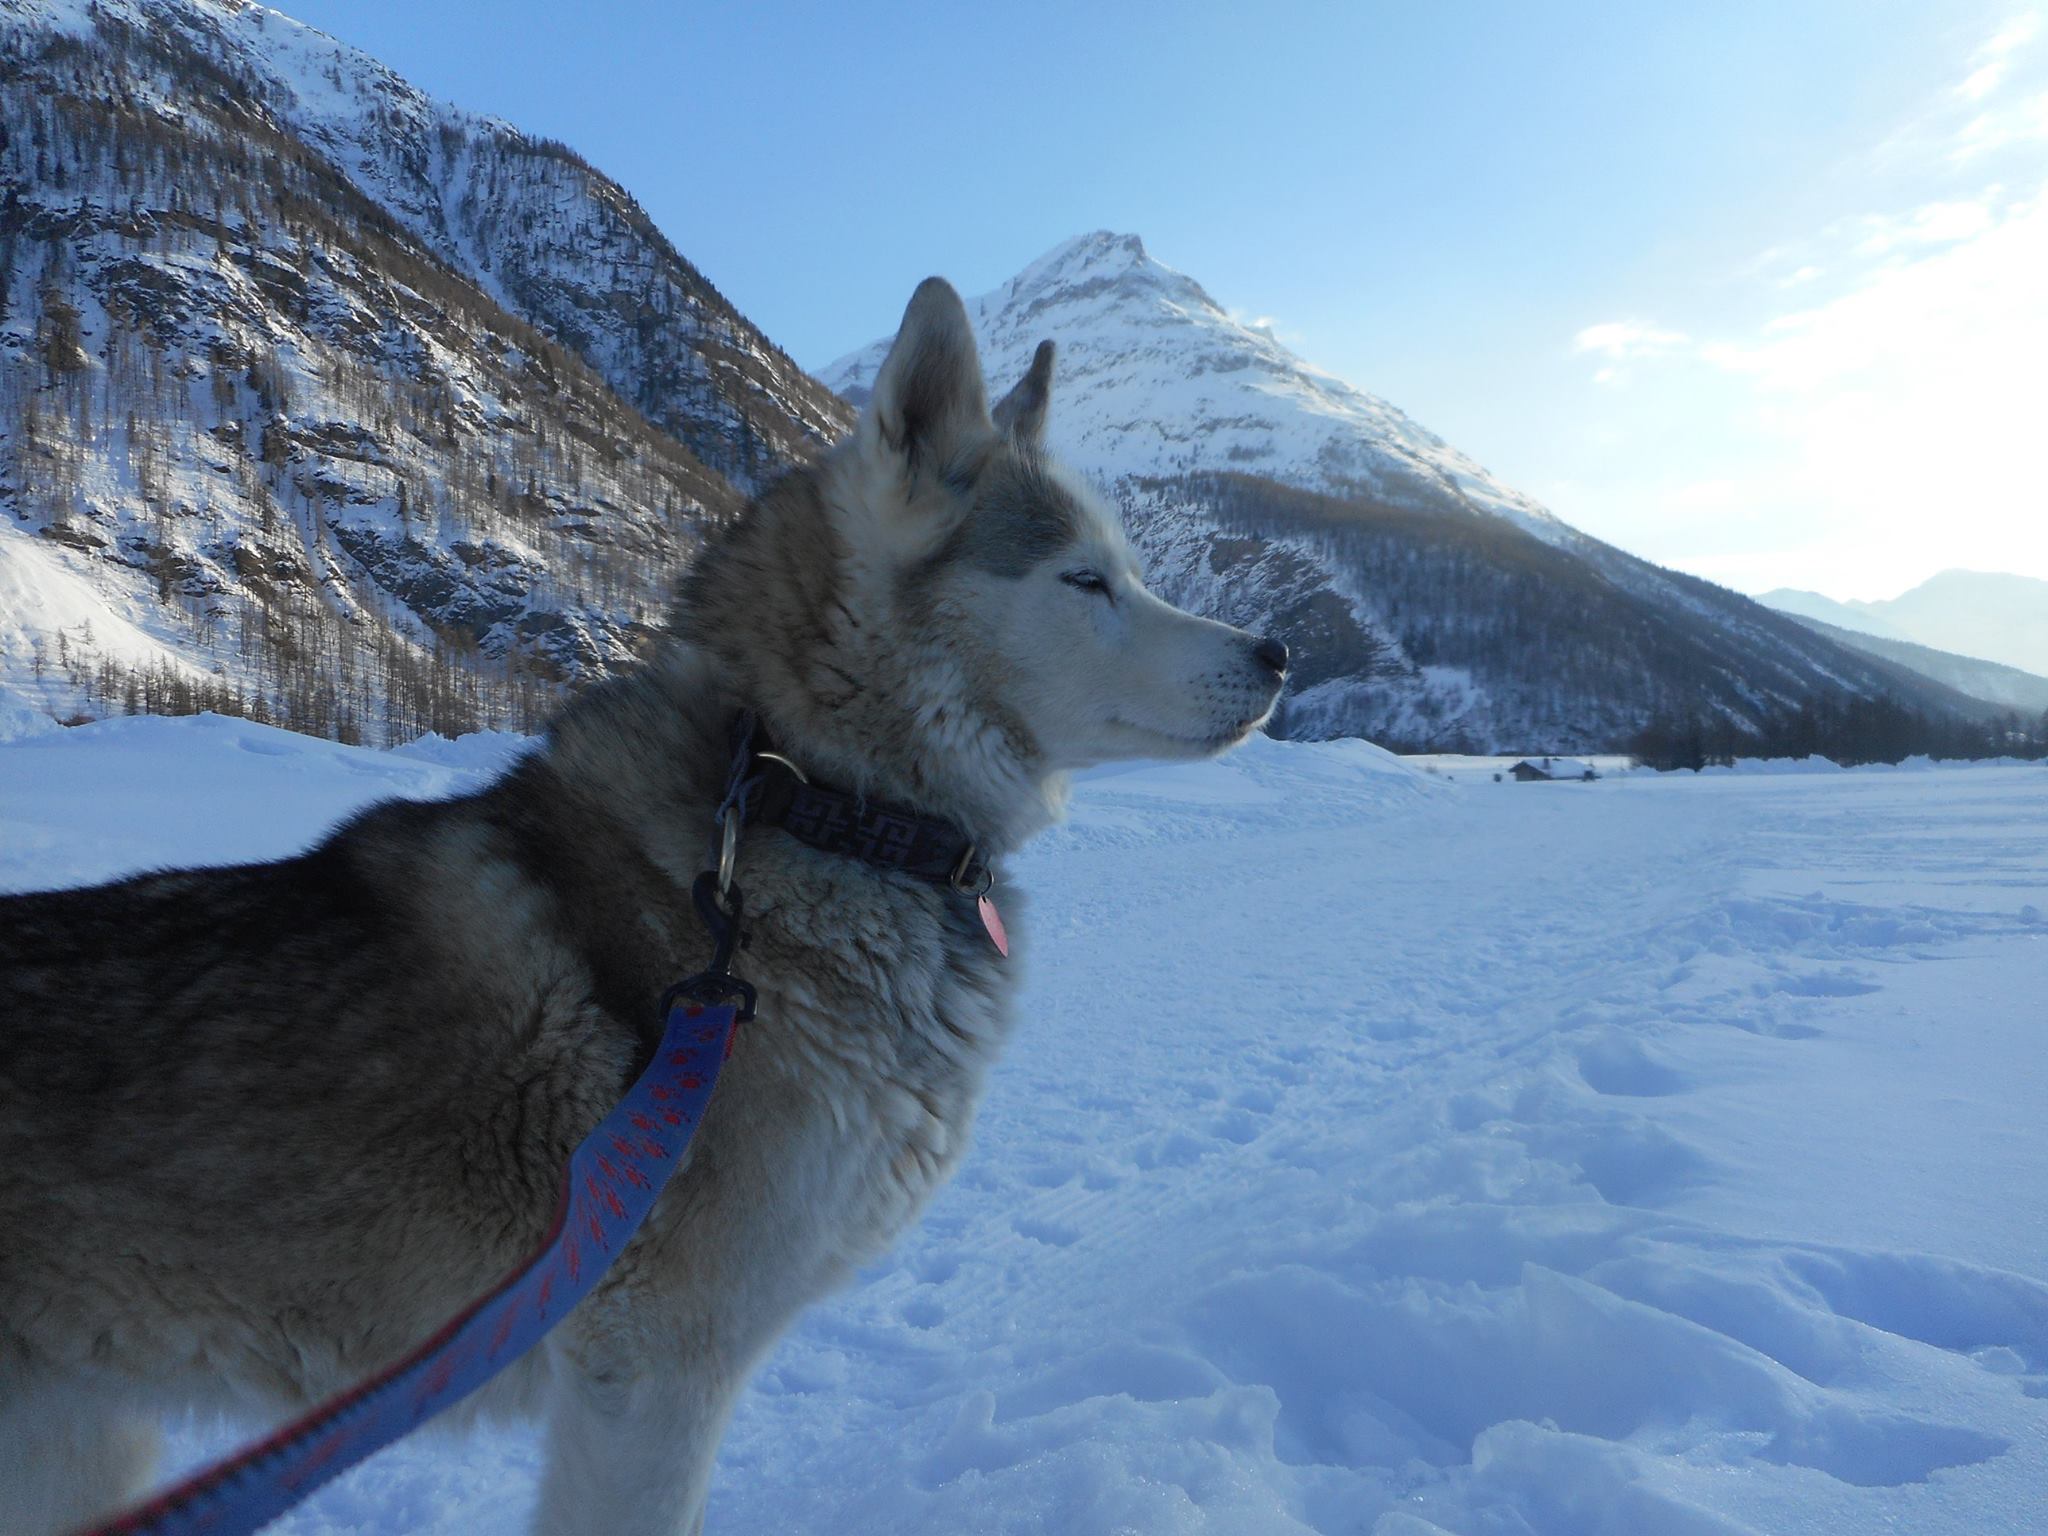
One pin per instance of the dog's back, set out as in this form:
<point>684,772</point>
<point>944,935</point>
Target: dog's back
<point>264,1127</point>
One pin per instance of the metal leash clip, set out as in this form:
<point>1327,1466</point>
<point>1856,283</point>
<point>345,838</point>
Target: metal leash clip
<point>721,911</point>
<point>728,848</point>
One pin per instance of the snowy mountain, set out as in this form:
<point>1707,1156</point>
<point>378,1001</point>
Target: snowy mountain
<point>539,230</point>
<point>326,401</point>
<point>1428,604</point>
<point>1156,379</point>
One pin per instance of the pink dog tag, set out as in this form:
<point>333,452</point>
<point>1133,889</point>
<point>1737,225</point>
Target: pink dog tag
<point>992,920</point>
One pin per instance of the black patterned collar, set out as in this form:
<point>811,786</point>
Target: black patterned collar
<point>770,789</point>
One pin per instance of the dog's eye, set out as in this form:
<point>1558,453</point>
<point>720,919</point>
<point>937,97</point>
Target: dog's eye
<point>1087,581</point>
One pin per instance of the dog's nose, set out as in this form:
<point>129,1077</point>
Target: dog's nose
<point>1272,654</point>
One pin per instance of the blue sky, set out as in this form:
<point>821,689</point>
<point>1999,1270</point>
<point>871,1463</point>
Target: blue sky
<point>1751,289</point>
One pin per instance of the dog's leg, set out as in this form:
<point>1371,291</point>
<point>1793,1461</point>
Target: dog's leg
<point>66,1460</point>
<point>632,1457</point>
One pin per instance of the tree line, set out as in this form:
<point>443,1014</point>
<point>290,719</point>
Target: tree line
<point>1848,731</point>
<point>1577,646</point>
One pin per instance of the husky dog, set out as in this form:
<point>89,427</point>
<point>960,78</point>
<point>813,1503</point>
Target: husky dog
<point>263,1129</point>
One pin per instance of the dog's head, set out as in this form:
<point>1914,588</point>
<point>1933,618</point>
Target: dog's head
<point>945,590</point>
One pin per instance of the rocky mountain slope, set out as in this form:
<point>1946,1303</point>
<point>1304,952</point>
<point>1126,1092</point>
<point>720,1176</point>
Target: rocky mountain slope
<point>329,402</point>
<point>1428,603</point>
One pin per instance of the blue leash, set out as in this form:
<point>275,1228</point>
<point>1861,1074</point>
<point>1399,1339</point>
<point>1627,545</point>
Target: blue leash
<point>611,1183</point>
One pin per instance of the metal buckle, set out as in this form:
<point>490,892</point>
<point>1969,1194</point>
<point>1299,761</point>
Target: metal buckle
<point>777,757</point>
<point>729,827</point>
<point>728,848</point>
<point>959,878</point>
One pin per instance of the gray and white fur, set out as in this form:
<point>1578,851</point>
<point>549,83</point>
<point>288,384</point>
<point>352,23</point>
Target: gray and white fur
<point>262,1129</point>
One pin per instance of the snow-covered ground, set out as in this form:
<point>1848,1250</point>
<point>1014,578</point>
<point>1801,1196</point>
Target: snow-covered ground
<point>1664,1156</point>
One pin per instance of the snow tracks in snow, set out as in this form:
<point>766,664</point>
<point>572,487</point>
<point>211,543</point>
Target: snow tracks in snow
<point>1507,1161</point>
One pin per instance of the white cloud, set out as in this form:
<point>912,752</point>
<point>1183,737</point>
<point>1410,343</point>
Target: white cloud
<point>1982,82</point>
<point>1997,104</point>
<point>1861,404</point>
<point>1625,340</point>
<point>1995,124</point>
<point>1994,58</point>
<point>1930,224</point>
<point>2014,35</point>
<point>2018,122</point>
<point>1906,412</point>
<point>1965,318</point>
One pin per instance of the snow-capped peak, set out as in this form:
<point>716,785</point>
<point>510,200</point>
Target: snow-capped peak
<point>1157,378</point>
<point>375,126</point>
<point>1106,263</point>
<point>308,63</point>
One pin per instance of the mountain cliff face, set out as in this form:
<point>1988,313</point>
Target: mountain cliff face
<point>1428,604</point>
<point>528,221</point>
<point>326,401</point>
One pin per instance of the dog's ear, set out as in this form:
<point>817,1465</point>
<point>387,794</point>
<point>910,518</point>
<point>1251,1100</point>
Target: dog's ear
<point>930,407</point>
<point>1021,412</point>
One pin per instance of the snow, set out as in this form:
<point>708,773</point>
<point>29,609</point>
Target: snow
<point>19,718</point>
<point>145,792</point>
<point>1331,1184</point>
<point>47,591</point>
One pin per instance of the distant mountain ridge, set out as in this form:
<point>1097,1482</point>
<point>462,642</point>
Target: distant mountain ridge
<point>1996,684</point>
<point>1853,617</point>
<point>1429,604</point>
<point>1992,615</point>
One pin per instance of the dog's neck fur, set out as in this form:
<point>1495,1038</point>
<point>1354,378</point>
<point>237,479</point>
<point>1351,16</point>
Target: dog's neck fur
<point>843,660</point>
